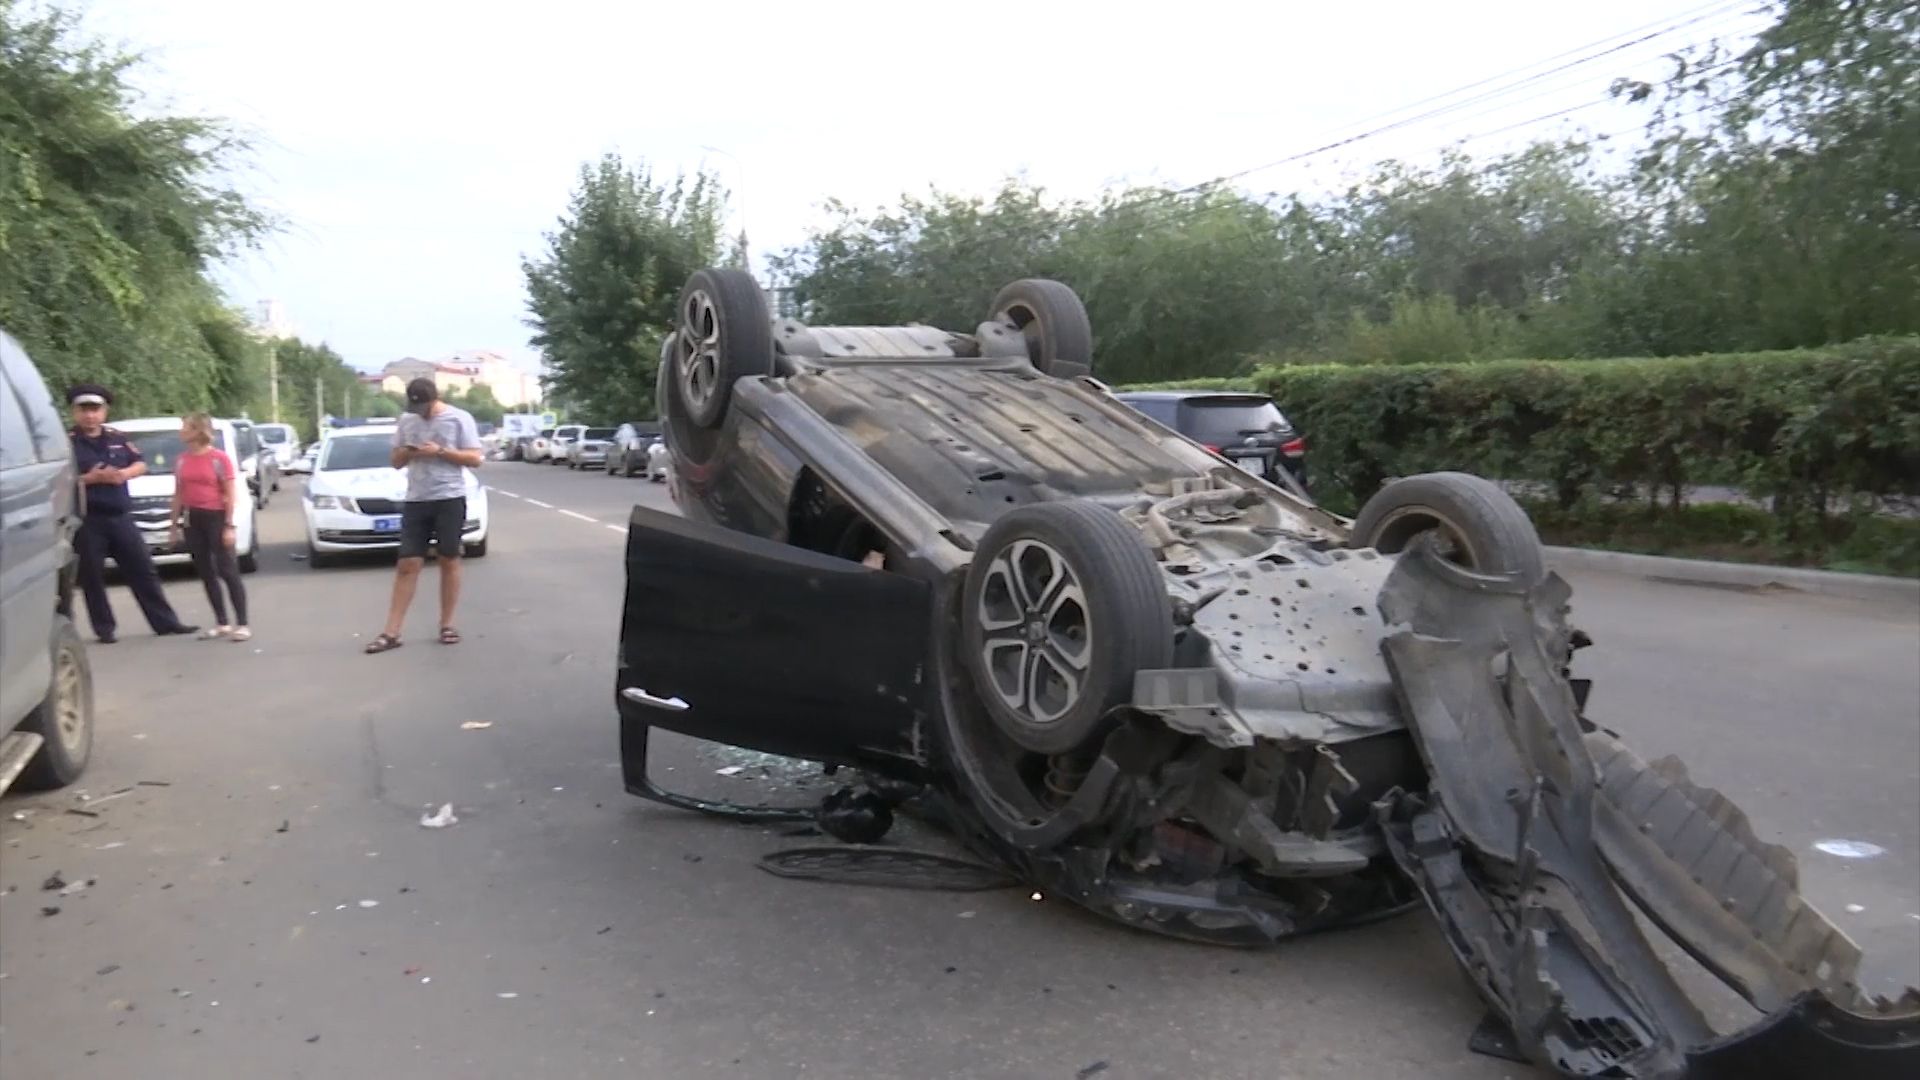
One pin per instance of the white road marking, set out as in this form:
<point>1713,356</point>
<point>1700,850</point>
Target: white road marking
<point>538,503</point>
<point>499,491</point>
<point>618,528</point>
<point>581,516</point>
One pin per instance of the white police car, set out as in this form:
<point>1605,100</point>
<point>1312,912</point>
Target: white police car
<point>353,500</point>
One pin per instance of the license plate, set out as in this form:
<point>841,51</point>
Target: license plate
<point>386,524</point>
<point>1254,465</point>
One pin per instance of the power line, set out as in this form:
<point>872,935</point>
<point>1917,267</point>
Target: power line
<point>1606,47</point>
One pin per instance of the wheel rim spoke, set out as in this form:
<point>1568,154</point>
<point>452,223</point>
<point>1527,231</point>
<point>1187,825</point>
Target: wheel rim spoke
<point>699,336</point>
<point>1036,634</point>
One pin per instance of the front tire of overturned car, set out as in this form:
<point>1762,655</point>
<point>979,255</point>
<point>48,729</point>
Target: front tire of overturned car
<point>724,334</point>
<point>1063,603</point>
<point>1472,520</point>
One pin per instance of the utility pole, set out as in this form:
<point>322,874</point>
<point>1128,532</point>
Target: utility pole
<point>273,379</point>
<point>319,408</point>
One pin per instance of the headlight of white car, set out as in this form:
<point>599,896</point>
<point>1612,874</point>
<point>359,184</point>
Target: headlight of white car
<point>330,502</point>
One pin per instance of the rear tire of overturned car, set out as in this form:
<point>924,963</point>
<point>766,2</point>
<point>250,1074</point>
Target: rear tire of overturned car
<point>65,717</point>
<point>1477,524</point>
<point>724,334</point>
<point>1063,604</point>
<point>1054,322</point>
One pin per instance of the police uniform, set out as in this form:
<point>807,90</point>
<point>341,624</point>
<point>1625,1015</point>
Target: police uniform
<point>108,529</point>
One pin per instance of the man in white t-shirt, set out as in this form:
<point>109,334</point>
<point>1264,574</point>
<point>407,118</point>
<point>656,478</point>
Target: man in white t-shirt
<point>436,443</point>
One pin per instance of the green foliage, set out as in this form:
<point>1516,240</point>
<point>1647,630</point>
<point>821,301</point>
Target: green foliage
<point>1774,204</point>
<point>479,401</point>
<point>1812,433</point>
<point>601,297</point>
<point>108,223</point>
<point>303,367</point>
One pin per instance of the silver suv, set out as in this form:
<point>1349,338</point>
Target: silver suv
<point>46,687</point>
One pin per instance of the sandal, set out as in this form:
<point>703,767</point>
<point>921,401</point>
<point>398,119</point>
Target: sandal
<point>449,636</point>
<point>382,643</point>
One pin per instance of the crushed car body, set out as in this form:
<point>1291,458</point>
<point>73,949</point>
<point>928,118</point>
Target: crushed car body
<point>1189,699</point>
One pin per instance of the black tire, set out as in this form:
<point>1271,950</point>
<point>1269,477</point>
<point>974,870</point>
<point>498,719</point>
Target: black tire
<point>1481,527</point>
<point>1051,317</point>
<point>475,551</point>
<point>723,334</point>
<point>64,718</point>
<point>1125,620</point>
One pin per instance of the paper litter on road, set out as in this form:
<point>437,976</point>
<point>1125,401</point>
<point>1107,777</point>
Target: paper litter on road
<point>1850,849</point>
<point>1855,909</point>
<point>369,903</point>
<point>508,995</point>
<point>475,725</point>
<point>731,770</point>
<point>440,819</point>
<point>111,846</point>
<point>77,887</point>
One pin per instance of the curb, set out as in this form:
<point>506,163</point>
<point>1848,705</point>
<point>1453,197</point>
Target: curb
<point>1740,575</point>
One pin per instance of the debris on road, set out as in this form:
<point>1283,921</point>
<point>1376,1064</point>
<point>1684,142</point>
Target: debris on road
<point>1094,1069</point>
<point>1855,909</point>
<point>81,813</point>
<point>21,815</point>
<point>730,770</point>
<point>439,819</point>
<point>313,1038</point>
<point>301,556</point>
<point>154,783</point>
<point>475,725</point>
<point>609,929</point>
<point>53,882</point>
<point>111,846</point>
<point>108,970</point>
<point>509,995</point>
<point>369,903</point>
<point>285,824</point>
<point>49,910</point>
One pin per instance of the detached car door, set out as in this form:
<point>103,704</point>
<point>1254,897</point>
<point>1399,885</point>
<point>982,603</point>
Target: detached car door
<point>756,643</point>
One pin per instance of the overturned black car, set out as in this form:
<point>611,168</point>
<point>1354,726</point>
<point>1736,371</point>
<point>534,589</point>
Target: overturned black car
<point>1187,698</point>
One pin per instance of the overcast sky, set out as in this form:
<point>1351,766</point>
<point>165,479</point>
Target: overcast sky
<point>419,148</point>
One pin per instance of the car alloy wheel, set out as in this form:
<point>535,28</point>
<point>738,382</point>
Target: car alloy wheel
<point>699,343</point>
<point>1036,633</point>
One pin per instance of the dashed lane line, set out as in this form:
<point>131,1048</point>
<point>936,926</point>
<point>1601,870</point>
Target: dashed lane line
<point>581,516</point>
<point>538,503</point>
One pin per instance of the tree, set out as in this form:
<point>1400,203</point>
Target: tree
<point>480,402</point>
<point>601,297</point>
<point>109,220</point>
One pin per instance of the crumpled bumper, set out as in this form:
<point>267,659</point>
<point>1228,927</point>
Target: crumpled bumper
<point>1539,837</point>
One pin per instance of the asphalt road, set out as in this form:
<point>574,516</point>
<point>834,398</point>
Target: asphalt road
<point>276,910</point>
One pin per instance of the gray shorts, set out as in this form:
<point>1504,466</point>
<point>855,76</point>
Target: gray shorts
<point>433,523</point>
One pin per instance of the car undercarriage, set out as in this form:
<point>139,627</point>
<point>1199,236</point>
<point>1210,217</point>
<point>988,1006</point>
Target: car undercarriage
<point>1191,700</point>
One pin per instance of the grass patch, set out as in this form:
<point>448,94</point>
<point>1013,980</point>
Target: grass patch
<point>1729,533</point>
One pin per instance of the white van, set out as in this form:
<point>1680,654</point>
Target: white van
<point>158,438</point>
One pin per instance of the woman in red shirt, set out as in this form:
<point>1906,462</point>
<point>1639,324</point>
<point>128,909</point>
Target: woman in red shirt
<point>205,491</point>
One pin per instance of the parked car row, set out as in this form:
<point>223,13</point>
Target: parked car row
<point>635,448</point>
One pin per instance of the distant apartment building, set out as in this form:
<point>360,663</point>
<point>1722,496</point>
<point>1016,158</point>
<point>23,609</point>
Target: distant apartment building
<point>463,371</point>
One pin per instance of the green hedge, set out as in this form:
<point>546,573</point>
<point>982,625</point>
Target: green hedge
<point>1807,430</point>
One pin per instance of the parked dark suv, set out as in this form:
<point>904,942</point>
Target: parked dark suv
<point>1246,429</point>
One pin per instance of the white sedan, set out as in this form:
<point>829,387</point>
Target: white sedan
<point>354,499</point>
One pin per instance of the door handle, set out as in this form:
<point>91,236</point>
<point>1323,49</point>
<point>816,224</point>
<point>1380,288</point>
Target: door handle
<point>641,697</point>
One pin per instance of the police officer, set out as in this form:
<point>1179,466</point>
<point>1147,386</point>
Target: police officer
<point>106,460</point>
